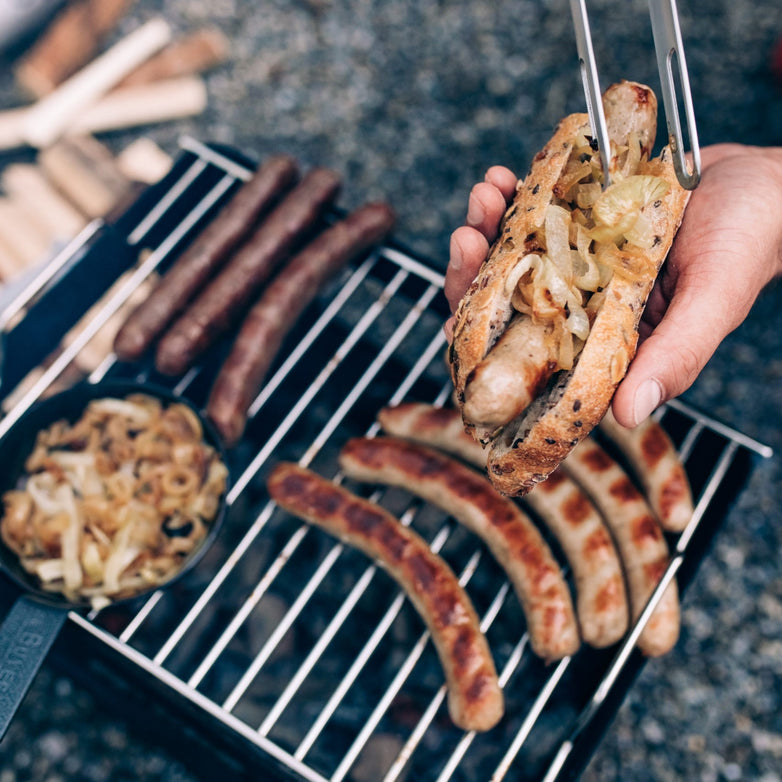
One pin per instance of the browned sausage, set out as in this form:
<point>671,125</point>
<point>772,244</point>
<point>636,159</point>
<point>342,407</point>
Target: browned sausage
<point>512,538</point>
<point>638,537</point>
<point>475,699</point>
<point>224,300</point>
<point>267,323</point>
<point>601,598</point>
<point>657,466</point>
<point>204,256</point>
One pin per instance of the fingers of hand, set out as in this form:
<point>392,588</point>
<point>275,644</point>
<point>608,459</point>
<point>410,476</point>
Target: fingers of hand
<point>468,251</point>
<point>485,208</point>
<point>503,179</point>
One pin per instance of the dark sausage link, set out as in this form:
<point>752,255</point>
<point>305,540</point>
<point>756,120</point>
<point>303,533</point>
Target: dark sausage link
<point>223,301</point>
<point>205,256</point>
<point>267,323</point>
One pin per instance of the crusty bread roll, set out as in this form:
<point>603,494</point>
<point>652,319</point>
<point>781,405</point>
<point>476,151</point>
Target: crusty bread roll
<point>546,331</point>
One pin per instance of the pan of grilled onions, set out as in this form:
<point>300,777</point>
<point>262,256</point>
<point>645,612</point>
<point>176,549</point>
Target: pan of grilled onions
<point>108,490</point>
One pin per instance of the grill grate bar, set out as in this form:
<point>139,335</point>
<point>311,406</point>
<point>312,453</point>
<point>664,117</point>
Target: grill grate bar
<point>213,157</point>
<point>361,660</point>
<point>111,306</point>
<point>304,400</point>
<point>29,293</point>
<point>689,441</point>
<point>460,751</point>
<point>290,617</point>
<point>319,648</point>
<point>258,461</point>
<point>379,361</point>
<point>158,212</point>
<point>609,679</point>
<point>336,304</point>
<point>211,588</point>
<point>722,429</point>
<point>529,721</point>
<point>244,612</point>
<point>197,699</point>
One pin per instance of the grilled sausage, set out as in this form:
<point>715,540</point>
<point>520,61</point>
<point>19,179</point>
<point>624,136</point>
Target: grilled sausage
<point>657,466</point>
<point>475,699</point>
<point>279,307</point>
<point>227,295</point>
<point>601,598</point>
<point>202,259</point>
<point>515,371</point>
<point>638,537</point>
<point>512,538</point>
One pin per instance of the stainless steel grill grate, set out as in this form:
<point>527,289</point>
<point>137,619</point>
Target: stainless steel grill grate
<point>301,651</point>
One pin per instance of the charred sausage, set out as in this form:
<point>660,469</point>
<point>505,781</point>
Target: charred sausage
<point>510,535</point>
<point>475,700</point>
<point>281,304</point>
<point>227,295</point>
<point>639,538</point>
<point>202,259</point>
<point>657,466</point>
<point>601,598</point>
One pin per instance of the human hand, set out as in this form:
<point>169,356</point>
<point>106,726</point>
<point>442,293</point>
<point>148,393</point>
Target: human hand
<point>728,248</point>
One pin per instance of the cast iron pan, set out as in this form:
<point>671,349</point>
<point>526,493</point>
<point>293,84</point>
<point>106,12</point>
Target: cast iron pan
<point>32,624</point>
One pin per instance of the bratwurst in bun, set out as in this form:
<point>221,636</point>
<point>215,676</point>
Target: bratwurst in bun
<point>547,329</point>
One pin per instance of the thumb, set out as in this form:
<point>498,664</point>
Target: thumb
<point>670,359</point>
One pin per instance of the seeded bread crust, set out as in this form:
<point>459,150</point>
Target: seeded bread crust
<point>531,447</point>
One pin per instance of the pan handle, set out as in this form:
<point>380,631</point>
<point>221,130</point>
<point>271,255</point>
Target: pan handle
<point>26,635</point>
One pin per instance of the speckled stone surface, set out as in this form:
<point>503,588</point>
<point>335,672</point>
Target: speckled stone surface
<point>412,102</point>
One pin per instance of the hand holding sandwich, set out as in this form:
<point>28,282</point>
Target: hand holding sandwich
<point>727,249</point>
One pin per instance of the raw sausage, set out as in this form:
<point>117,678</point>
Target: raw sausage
<point>475,700</point>
<point>207,253</point>
<point>267,323</point>
<point>227,295</point>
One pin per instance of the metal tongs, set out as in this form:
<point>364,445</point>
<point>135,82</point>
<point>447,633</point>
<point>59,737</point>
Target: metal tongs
<point>670,54</point>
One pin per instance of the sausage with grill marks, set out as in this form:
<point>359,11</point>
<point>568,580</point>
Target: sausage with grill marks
<point>281,304</point>
<point>657,466</point>
<point>639,538</point>
<point>475,700</point>
<point>509,533</point>
<point>225,298</point>
<point>207,254</point>
<point>601,597</point>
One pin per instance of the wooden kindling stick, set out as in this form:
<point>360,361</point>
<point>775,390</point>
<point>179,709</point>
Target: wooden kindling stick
<point>123,108</point>
<point>52,115</point>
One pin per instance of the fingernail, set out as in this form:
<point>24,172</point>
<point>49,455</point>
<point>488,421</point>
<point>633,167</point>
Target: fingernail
<point>475,213</point>
<point>647,399</point>
<point>457,256</point>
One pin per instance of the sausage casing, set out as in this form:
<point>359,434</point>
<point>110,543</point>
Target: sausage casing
<point>475,700</point>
